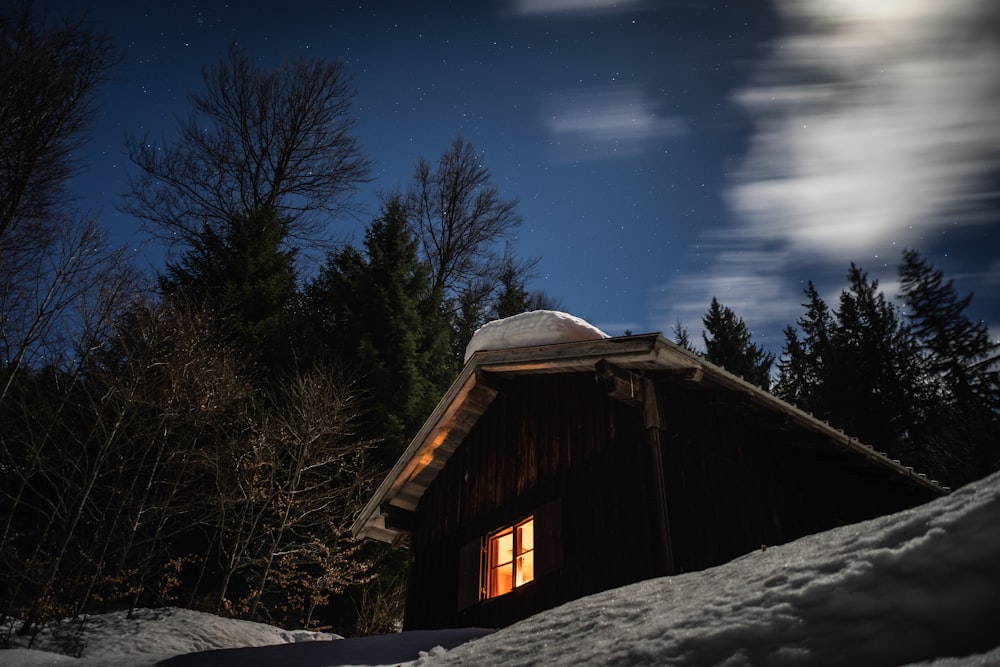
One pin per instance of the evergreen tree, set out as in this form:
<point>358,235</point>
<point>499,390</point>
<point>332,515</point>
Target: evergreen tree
<point>378,314</point>
<point>801,370</point>
<point>962,363</point>
<point>681,336</point>
<point>874,386</point>
<point>859,367</point>
<point>243,273</point>
<point>513,298</point>
<point>793,368</point>
<point>955,347</point>
<point>728,344</point>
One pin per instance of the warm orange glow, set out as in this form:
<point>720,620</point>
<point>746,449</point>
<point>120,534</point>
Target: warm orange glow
<point>507,570</point>
<point>525,570</point>
<point>501,563</point>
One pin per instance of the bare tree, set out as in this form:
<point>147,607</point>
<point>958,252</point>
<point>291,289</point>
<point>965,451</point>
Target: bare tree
<point>55,310</point>
<point>463,223</point>
<point>51,261</point>
<point>284,501</point>
<point>320,484</point>
<point>258,139</point>
<point>50,71</point>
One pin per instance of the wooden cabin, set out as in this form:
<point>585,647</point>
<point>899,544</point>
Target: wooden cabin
<point>550,472</point>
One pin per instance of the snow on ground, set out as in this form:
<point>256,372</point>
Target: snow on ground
<point>896,590</point>
<point>921,587</point>
<point>149,636</point>
<point>537,327</point>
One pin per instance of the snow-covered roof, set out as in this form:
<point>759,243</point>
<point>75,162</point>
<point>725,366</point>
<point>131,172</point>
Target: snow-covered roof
<point>537,327</point>
<point>471,394</point>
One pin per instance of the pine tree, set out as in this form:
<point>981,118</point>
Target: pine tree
<point>681,336</point>
<point>728,344</point>
<point>858,367</point>
<point>378,314</point>
<point>802,368</point>
<point>513,298</point>
<point>955,346</point>
<point>873,382</point>
<point>792,384</point>
<point>918,387</point>
<point>962,363</point>
<point>246,276</point>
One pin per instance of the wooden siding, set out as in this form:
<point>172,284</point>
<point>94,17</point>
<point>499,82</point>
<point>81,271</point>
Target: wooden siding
<point>544,438</point>
<point>737,479</point>
<point>627,364</point>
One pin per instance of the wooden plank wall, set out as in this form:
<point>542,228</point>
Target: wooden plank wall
<point>544,437</point>
<point>735,480</point>
<point>720,487</point>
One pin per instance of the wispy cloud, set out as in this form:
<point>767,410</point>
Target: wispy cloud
<point>751,280</point>
<point>604,122</point>
<point>528,7</point>
<point>871,122</point>
<point>874,123</point>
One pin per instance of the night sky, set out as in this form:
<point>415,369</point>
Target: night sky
<point>662,152</point>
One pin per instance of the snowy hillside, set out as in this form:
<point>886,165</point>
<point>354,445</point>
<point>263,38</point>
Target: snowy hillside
<point>896,590</point>
<point>919,587</point>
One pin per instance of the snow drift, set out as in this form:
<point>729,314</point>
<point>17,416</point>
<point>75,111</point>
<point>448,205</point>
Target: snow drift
<point>537,327</point>
<point>921,587</point>
<point>905,588</point>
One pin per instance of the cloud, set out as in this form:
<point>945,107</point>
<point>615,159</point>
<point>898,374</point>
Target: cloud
<point>873,121</point>
<point>751,281</point>
<point>874,124</point>
<point>528,7</point>
<point>605,122</point>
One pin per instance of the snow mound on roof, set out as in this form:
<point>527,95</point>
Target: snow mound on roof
<point>538,327</point>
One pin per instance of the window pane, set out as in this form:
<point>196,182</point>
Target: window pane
<point>525,568</point>
<point>501,563</point>
<point>525,553</point>
<point>502,548</point>
<point>501,580</point>
<point>526,536</point>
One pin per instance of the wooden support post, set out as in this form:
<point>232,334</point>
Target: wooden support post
<point>652,421</point>
<point>633,389</point>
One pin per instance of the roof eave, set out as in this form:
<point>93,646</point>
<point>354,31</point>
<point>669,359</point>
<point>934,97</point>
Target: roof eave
<point>471,393</point>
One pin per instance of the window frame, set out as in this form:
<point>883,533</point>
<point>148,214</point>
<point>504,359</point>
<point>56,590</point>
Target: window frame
<point>548,556</point>
<point>490,564</point>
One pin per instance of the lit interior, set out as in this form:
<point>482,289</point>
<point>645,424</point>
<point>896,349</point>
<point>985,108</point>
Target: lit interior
<point>525,570</point>
<point>511,555</point>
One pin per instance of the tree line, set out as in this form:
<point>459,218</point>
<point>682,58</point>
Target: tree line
<point>919,381</point>
<point>205,436</point>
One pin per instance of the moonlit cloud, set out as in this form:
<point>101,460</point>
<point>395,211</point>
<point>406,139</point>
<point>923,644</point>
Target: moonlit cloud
<point>750,281</point>
<point>527,7</point>
<point>874,123</point>
<point>897,126</point>
<point>604,122</point>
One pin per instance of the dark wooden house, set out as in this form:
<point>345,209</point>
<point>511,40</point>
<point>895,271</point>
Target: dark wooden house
<point>552,472</point>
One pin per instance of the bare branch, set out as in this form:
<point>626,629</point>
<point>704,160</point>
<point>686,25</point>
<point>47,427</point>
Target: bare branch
<point>279,139</point>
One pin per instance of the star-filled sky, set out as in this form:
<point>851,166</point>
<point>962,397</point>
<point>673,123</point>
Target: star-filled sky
<point>663,152</point>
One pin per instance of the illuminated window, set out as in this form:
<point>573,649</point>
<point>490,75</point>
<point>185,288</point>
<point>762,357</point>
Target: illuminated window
<point>510,556</point>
